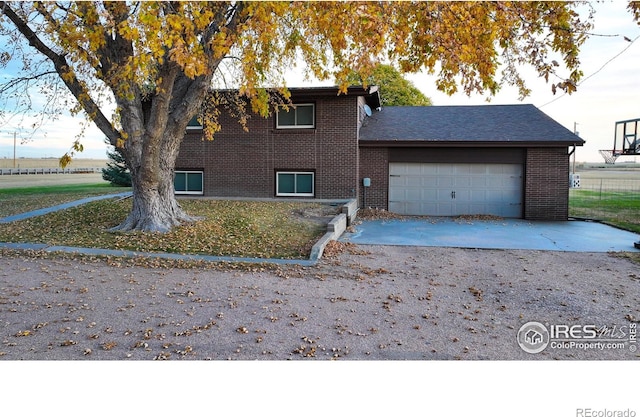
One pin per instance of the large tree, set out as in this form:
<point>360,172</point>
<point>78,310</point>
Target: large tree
<point>395,90</point>
<point>142,70</point>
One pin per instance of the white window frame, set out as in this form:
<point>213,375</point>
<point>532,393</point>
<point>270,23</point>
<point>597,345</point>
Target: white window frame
<point>198,127</point>
<point>187,192</point>
<point>294,194</point>
<point>293,108</point>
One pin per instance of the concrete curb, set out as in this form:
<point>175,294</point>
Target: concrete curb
<point>158,255</point>
<point>335,229</point>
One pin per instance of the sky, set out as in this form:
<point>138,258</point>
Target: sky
<point>609,92</point>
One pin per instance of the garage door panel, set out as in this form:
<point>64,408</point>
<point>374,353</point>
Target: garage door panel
<point>446,181</point>
<point>463,196</point>
<point>477,169</point>
<point>414,181</point>
<point>479,195</point>
<point>513,183</point>
<point>429,181</point>
<point>464,182</point>
<point>496,182</point>
<point>397,169</point>
<point>496,195</point>
<point>429,194</point>
<point>442,189</point>
<point>479,182</point>
<point>441,169</point>
<point>396,181</point>
<point>414,170</point>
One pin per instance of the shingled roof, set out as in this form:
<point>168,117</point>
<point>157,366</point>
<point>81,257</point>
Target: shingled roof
<point>503,125</point>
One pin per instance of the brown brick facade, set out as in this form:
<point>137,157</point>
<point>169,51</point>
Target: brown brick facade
<point>374,164</point>
<point>546,184</point>
<point>244,164</point>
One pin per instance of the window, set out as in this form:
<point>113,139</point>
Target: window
<point>188,182</point>
<point>295,184</point>
<point>194,124</point>
<point>299,116</point>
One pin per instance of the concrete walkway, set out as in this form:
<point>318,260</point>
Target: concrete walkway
<point>569,236</point>
<point>47,210</point>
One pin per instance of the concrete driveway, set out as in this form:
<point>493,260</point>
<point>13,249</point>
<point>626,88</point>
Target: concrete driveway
<point>569,236</point>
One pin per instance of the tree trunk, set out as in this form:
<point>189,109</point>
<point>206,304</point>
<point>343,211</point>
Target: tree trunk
<point>151,161</point>
<point>155,208</point>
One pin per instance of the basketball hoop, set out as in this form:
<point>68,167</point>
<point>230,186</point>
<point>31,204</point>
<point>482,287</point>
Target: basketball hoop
<point>609,156</point>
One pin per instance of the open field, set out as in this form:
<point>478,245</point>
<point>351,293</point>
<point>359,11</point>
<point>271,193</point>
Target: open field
<point>610,179</point>
<point>627,171</point>
<point>51,163</point>
<point>23,181</point>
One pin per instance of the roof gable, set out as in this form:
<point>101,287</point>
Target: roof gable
<point>518,123</point>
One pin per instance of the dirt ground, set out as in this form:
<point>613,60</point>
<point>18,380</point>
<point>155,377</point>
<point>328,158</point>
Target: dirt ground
<point>360,303</point>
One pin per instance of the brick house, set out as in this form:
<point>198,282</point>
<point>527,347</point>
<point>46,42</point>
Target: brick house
<point>504,160</point>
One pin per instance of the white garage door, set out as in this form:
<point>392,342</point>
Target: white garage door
<point>444,189</point>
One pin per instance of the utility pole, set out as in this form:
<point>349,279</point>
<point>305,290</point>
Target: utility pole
<point>14,149</point>
<point>575,132</point>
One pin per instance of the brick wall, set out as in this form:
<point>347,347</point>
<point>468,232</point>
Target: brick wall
<point>546,181</point>
<point>547,184</point>
<point>374,164</point>
<point>243,164</point>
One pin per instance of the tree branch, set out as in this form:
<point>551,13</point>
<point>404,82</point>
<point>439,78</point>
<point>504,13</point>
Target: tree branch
<point>14,82</point>
<point>66,74</point>
<point>228,17</point>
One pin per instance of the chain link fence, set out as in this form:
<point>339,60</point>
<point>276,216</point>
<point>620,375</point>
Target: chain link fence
<point>606,199</point>
<point>603,188</point>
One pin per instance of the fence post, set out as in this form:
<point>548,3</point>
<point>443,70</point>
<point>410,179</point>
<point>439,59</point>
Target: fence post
<point>600,189</point>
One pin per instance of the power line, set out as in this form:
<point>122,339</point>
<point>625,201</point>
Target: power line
<point>598,70</point>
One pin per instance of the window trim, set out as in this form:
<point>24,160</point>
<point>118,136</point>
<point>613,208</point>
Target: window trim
<point>296,194</point>
<point>194,127</point>
<point>187,192</point>
<point>293,107</point>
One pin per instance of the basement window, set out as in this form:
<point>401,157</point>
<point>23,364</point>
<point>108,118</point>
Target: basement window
<point>295,184</point>
<point>188,182</point>
<point>194,124</point>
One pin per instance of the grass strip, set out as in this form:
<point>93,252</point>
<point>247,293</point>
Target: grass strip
<point>21,200</point>
<point>620,209</point>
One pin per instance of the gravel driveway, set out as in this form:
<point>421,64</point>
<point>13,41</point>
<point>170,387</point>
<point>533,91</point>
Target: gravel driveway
<point>362,302</point>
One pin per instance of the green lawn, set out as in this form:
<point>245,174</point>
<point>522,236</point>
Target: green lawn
<point>20,200</point>
<point>228,228</point>
<point>620,209</point>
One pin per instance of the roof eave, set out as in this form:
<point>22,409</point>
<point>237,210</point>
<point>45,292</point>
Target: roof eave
<point>467,144</point>
<point>331,91</point>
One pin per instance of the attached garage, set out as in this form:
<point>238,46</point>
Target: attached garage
<point>506,160</point>
<point>448,189</point>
